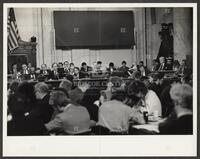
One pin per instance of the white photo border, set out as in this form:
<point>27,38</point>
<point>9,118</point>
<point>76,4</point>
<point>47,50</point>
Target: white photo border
<point>131,145</point>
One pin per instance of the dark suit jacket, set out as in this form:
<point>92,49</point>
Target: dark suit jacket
<point>53,76</point>
<point>180,126</point>
<point>61,72</point>
<point>42,110</point>
<point>25,126</point>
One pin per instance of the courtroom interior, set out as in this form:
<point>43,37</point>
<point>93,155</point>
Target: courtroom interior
<point>99,71</point>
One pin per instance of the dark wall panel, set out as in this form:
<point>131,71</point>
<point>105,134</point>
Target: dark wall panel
<point>93,29</point>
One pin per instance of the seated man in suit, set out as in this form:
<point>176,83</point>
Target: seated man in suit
<point>124,69</point>
<point>32,74</point>
<point>162,64</point>
<point>42,109</point>
<point>24,72</point>
<point>54,74</point>
<point>111,68</point>
<point>61,70</point>
<point>66,67</point>
<point>84,71</point>
<point>182,96</point>
<point>44,71</point>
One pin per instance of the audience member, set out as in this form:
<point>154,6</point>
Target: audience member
<point>90,98</point>
<point>165,98</point>
<point>20,124</point>
<point>73,118</point>
<point>114,114</point>
<point>181,95</point>
<point>42,109</point>
<point>13,87</point>
<point>66,84</point>
<point>115,83</point>
<point>78,93</point>
<point>149,98</point>
<point>156,84</point>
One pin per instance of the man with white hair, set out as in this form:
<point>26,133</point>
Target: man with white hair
<point>181,95</point>
<point>162,64</point>
<point>42,108</point>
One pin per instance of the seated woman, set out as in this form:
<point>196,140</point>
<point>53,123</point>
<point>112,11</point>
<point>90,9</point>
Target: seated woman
<point>72,119</point>
<point>20,124</point>
<point>181,95</point>
<point>144,99</point>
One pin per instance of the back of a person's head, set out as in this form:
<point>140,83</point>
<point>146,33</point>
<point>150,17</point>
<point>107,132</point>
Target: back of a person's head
<point>158,76</point>
<point>182,94</point>
<point>58,98</point>
<point>18,104</point>
<point>118,95</point>
<point>14,86</point>
<point>90,96</point>
<point>66,84</point>
<point>135,87</point>
<point>116,81</point>
<point>27,89</point>
<point>42,87</point>
<point>62,90</point>
<point>83,64</point>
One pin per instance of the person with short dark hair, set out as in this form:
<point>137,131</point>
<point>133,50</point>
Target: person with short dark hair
<point>124,69</point>
<point>61,70</point>
<point>73,118</point>
<point>76,73</point>
<point>20,124</point>
<point>143,69</point>
<point>148,98</point>
<point>114,114</point>
<point>85,70</point>
<point>111,68</point>
<point>54,74</point>
<point>157,83</point>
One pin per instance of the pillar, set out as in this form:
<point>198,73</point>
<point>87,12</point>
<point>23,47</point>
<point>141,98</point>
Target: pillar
<point>183,32</point>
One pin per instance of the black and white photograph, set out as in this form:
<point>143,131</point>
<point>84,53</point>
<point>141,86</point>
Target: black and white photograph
<point>100,80</point>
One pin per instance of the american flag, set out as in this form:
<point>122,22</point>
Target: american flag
<point>13,33</point>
